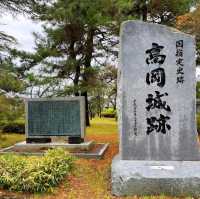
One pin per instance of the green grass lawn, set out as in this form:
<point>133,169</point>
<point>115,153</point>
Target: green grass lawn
<point>91,178</point>
<point>99,126</point>
<point>8,139</point>
<point>109,126</point>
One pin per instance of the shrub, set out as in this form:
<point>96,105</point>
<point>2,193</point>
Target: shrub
<point>34,174</point>
<point>109,112</point>
<point>198,122</point>
<point>14,127</point>
<point>11,108</point>
<point>109,115</point>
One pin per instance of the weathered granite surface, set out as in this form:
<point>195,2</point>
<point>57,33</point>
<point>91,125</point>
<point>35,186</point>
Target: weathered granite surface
<point>179,142</point>
<point>159,152</point>
<point>173,178</point>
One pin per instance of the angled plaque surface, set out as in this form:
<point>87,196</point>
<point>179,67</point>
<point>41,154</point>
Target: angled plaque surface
<point>55,117</point>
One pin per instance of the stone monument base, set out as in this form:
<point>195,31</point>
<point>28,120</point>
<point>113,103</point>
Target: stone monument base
<point>88,150</point>
<point>83,146</point>
<point>173,178</point>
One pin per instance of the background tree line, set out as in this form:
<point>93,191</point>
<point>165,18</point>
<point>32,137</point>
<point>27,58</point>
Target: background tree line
<point>77,52</point>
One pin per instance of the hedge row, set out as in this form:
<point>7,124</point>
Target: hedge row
<point>109,112</point>
<point>15,127</point>
<point>108,115</point>
<point>198,123</point>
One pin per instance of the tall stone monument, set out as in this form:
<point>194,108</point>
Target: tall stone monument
<point>159,150</point>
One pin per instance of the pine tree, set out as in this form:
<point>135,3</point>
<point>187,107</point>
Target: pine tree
<point>156,11</point>
<point>9,81</point>
<point>77,34</point>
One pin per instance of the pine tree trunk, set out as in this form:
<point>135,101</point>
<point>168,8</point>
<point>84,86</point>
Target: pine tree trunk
<point>144,12</point>
<point>72,55</point>
<point>87,64</point>
<point>87,118</point>
<point>76,80</point>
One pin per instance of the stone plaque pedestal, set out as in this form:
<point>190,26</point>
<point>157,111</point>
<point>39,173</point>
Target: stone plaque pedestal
<point>174,178</point>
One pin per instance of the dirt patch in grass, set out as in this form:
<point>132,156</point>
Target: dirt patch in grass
<point>91,179</point>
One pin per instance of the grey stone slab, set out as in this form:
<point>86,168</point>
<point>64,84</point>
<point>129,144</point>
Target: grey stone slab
<point>84,145</point>
<point>140,77</point>
<point>94,155</point>
<point>173,178</point>
<point>86,153</point>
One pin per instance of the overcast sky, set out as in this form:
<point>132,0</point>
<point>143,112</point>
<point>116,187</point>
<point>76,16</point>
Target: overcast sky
<point>22,28</point>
